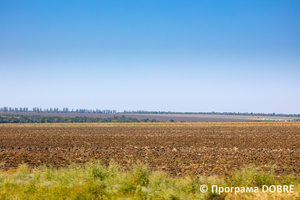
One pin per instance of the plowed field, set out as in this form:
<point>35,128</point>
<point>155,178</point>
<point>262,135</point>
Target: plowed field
<point>199,148</point>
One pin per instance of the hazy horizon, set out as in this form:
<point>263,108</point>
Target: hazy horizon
<point>181,56</point>
<point>113,111</point>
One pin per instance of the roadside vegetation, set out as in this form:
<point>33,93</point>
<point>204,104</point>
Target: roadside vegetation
<point>96,181</point>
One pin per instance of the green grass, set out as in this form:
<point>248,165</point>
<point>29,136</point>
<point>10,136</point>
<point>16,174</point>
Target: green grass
<point>95,181</point>
<point>250,176</point>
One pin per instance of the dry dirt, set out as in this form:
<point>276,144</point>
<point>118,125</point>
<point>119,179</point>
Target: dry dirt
<point>199,148</point>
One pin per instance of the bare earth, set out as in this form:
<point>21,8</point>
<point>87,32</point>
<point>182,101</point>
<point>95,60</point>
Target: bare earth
<point>199,148</point>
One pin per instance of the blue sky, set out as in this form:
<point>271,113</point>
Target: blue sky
<point>222,56</point>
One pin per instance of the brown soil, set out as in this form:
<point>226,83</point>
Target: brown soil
<point>199,148</point>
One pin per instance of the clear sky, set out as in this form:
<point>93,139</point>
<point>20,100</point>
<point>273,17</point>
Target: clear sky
<point>162,55</point>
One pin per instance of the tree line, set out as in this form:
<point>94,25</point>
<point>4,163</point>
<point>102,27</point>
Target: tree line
<point>54,110</point>
<point>210,113</point>
<point>107,111</point>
